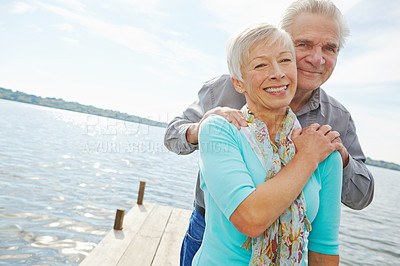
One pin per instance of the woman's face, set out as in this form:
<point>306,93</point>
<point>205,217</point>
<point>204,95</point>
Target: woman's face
<point>269,77</point>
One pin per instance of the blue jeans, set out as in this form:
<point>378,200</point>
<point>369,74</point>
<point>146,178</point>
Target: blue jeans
<point>193,238</point>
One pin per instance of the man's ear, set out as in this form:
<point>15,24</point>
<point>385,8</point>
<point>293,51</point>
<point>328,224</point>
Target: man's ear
<point>239,86</point>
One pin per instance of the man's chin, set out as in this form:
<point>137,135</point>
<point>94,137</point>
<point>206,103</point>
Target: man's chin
<point>308,86</point>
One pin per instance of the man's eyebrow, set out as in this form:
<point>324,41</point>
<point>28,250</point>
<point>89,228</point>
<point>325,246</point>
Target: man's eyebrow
<point>332,45</point>
<point>302,41</point>
<point>329,44</point>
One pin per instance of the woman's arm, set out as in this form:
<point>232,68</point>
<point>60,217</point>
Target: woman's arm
<point>324,236</point>
<point>262,207</point>
<point>319,259</point>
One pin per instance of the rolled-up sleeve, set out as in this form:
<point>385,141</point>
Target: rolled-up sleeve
<point>358,182</point>
<point>215,92</point>
<point>175,134</point>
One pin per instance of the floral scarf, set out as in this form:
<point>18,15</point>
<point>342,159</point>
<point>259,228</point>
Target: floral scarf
<point>283,242</point>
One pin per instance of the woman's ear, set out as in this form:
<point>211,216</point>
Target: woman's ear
<point>239,86</point>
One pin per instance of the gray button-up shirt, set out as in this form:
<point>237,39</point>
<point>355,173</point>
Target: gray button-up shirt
<point>358,183</point>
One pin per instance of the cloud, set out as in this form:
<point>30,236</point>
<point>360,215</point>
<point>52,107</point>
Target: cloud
<point>35,28</point>
<point>346,5</point>
<point>22,8</point>
<point>65,27</point>
<point>175,54</point>
<point>373,66</point>
<point>71,41</point>
<point>371,54</point>
<point>75,4</point>
<point>135,38</point>
<point>46,74</point>
<point>233,15</point>
<point>377,133</point>
<point>152,8</point>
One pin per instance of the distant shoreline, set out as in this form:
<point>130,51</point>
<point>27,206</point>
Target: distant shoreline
<point>382,164</point>
<point>18,96</point>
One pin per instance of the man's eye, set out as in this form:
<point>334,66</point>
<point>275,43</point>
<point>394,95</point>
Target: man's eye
<point>304,45</point>
<point>331,49</point>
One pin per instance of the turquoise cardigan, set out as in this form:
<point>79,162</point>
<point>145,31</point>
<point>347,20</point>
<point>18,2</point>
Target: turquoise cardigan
<point>230,172</point>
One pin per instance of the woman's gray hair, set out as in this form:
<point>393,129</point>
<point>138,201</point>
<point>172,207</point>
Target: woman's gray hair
<point>239,45</point>
<point>323,7</point>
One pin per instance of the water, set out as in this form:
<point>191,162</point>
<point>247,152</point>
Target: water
<point>372,236</point>
<point>64,174</point>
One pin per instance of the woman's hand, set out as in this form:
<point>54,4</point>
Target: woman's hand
<point>262,207</point>
<point>316,142</point>
<point>233,116</point>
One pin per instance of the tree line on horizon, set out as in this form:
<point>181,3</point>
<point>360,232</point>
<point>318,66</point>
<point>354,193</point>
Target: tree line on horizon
<point>383,164</point>
<point>74,106</point>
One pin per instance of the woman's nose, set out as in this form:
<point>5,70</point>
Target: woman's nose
<point>277,72</point>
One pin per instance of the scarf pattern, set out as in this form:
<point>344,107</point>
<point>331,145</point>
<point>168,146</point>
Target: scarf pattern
<point>283,242</point>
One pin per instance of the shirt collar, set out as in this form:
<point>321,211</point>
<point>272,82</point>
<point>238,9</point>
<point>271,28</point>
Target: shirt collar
<point>314,103</point>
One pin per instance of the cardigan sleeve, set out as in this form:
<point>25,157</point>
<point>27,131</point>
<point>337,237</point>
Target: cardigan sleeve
<point>324,236</point>
<point>223,171</point>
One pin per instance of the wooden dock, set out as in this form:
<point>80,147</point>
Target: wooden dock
<point>151,235</point>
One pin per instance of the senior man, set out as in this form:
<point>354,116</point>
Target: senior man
<point>318,30</point>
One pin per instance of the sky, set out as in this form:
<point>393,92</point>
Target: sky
<point>150,57</point>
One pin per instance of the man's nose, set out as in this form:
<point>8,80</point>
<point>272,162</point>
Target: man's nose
<point>316,57</point>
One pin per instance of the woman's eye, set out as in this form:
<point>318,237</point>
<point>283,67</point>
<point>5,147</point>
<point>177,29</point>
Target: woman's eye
<point>287,60</point>
<point>260,65</point>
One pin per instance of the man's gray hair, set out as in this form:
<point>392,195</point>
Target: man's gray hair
<point>323,7</point>
<point>239,45</point>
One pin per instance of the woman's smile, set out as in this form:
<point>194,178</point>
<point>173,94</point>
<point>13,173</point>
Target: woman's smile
<point>276,90</point>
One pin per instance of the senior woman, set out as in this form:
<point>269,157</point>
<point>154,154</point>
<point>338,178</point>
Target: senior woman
<point>267,184</point>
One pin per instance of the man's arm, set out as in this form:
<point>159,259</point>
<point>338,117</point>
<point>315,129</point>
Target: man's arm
<point>175,134</point>
<point>214,93</point>
<point>358,182</point>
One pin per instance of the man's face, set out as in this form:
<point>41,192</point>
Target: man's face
<point>316,40</point>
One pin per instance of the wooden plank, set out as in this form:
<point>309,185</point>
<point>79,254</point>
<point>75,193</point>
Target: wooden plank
<point>168,252</point>
<point>143,247</point>
<point>112,247</point>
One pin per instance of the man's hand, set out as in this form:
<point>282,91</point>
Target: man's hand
<point>343,151</point>
<point>233,116</point>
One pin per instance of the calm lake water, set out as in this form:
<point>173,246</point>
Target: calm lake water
<point>64,174</point>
